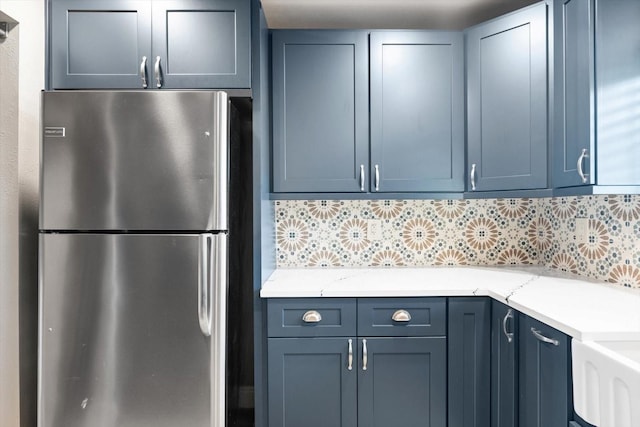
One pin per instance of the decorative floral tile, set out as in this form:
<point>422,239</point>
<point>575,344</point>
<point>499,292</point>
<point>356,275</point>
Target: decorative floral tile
<point>335,233</point>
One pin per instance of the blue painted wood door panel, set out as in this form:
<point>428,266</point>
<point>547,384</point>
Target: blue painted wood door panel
<point>202,43</point>
<point>310,384</point>
<point>404,383</point>
<point>320,111</point>
<point>417,111</point>
<point>545,392</point>
<point>469,355</point>
<point>504,366</point>
<point>507,101</point>
<point>115,44</point>
<point>574,81</point>
<point>99,44</point>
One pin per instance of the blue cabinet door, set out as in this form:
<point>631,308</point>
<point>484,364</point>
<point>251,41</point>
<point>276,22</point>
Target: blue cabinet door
<point>617,70</point>
<point>574,103</point>
<point>417,111</point>
<point>545,391</point>
<point>402,382</point>
<point>469,362</point>
<point>201,44</point>
<point>320,111</point>
<point>507,101</point>
<point>99,44</point>
<point>504,366</point>
<point>140,44</point>
<point>310,383</point>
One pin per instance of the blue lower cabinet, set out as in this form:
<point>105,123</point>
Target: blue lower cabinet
<point>545,367</point>
<point>469,362</point>
<point>310,383</point>
<point>504,366</point>
<point>402,382</point>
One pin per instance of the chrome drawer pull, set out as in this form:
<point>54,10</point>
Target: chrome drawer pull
<point>583,176</point>
<point>508,316</point>
<point>311,316</point>
<point>361,177</point>
<point>365,356</point>
<point>536,333</point>
<point>377,177</point>
<point>350,366</point>
<point>473,177</point>
<point>143,72</point>
<point>401,316</point>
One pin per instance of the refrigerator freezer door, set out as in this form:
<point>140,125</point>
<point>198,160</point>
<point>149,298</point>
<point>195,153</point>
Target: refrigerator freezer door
<point>120,340</point>
<point>135,160</point>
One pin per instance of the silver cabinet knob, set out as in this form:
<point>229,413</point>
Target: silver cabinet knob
<point>365,355</point>
<point>350,361</point>
<point>377,177</point>
<point>401,316</point>
<point>157,73</point>
<point>311,316</point>
<point>361,177</point>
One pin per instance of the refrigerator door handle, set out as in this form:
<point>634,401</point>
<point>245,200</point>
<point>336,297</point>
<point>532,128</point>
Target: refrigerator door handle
<point>204,284</point>
<point>219,335</point>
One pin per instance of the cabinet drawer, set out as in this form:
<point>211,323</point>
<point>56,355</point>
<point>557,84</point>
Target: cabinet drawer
<point>413,317</point>
<point>311,317</point>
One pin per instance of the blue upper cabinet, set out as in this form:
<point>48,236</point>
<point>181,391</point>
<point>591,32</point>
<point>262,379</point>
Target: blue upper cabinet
<point>121,44</point>
<point>507,102</point>
<point>574,121</point>
<point>417,111</point>
<point>320,111</point>
<point>98,44</point>
<point>596,138</point>
<point>202,43</point>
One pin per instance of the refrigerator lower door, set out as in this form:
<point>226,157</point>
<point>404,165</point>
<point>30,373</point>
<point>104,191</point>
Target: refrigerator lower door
<point>123,337</point>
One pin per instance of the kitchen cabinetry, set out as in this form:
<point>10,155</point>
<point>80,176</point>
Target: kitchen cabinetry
<point>595,139</point>
<point>469,337</point>
<point>131,44</point>
<point>545,389</point>
<point>504,366</point>
<point>321,111</point>
<point>417,111</point>
<point>507,101</point>
<point>392,372</point>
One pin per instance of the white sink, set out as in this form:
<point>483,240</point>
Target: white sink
<point>606,382</point>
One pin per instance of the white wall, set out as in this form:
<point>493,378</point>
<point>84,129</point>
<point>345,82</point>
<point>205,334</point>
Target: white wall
<point>9,291</point>
<point>30,15</point>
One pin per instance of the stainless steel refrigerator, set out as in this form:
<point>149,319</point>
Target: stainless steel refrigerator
<point>133,259</point>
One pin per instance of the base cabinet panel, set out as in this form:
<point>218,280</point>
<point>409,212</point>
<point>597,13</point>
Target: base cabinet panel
<point>404,382</point>
<point>469,362</point>
<point>310,383</point>
<point>545,392</point>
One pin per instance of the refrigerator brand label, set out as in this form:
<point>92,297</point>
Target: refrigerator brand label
<point>54,131</point>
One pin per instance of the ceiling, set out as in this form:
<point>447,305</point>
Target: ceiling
<point>385,14</point>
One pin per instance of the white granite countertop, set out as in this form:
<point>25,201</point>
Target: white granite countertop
<point>583,309</point>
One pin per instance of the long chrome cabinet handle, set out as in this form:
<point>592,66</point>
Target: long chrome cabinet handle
<point>350,361</point>
<point>583,155</point>
<point>156,73</point>
<point>204,284</point>
<point>473,177</point>
<point>143,72</point>
<point>508,316</point>
<point>377,177</point>
<point>365,356</point>
<point>536,333</point>
<point>361,177</point>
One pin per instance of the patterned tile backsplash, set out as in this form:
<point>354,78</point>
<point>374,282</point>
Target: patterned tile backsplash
<point>592,236</point>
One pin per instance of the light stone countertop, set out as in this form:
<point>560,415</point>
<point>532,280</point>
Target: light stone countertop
<point>583,309</point>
